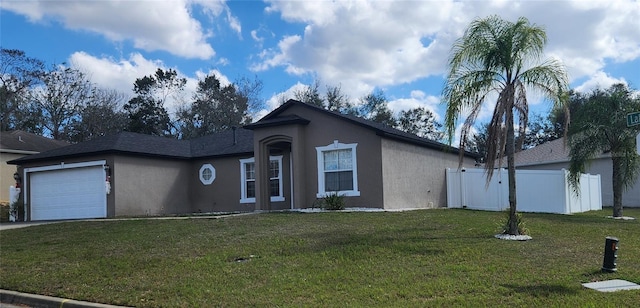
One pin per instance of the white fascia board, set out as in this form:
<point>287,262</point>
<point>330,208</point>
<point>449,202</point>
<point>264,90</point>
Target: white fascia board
<point>66,166</point>
<point>18,151</point>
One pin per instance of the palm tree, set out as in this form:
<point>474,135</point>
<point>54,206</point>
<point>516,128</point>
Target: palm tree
<point>498,57</point>
<point>600,126</point>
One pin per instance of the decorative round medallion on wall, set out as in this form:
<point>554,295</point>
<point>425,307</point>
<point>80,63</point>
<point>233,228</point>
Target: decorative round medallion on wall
<point>207,174</point>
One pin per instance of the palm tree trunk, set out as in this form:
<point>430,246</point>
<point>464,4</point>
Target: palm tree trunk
<point>511,172</point>
<point>617,184</point>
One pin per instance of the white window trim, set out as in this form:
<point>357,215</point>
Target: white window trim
<point>331,147</point>
<point>213,174</point>
<point>243,179</point>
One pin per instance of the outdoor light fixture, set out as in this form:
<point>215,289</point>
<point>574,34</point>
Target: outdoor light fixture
<point>16,176</point>
<point>107,180</point>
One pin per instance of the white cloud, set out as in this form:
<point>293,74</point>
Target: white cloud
<point>260,34</point>
<point>120,75</point>
<point>587,34</point>
<point>416,100</point>
<point>317,12</point>
<point>223,61</point>
<point>234,23</point>
<point>599,80</point>
<point>224,80</point>
<point>255,37</point>
<point>276,99</point>
<point>272,58</point>
<point>151,25</point>
<point>376,43</point>
<point>367,44</point>
<point>212,8</point>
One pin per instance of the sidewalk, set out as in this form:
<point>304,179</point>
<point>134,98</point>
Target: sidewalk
<point>33,300</point>
<point>16,225</point>
<point>22,224</point>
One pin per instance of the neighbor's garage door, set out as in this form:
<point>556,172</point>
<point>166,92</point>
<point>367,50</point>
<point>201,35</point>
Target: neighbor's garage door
<point>68,194</point>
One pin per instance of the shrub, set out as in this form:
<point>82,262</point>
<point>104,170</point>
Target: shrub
<point>522,227</point>
<point>4,211</point>
<point>333,202</point>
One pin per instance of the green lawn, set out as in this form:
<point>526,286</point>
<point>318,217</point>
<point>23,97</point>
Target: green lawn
<point>418,258</point>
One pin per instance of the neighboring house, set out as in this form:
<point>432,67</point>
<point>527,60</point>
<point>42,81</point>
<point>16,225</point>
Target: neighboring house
<point>15,144</point>
<point>287,160</point>
<point>554,155</point>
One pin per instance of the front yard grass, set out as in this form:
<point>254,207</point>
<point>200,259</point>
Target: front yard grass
<point>421,258</point>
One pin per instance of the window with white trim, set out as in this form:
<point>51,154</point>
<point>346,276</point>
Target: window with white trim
<point>337,169</point>
<point>207,174</point>
<point>248,179</point>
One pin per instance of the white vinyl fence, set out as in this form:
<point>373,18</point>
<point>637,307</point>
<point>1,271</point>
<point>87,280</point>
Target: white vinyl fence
<point>542,191</point>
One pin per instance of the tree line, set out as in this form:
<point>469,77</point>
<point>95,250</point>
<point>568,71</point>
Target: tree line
<point>62,103</point>
<point>374,107</point>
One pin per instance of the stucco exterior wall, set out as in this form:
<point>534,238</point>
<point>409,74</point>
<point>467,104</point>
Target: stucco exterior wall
<point>630,198</point>
<point>414,177</point>
<point>6,174</point>
<point>322,130</point>
<point>147,186</point>
<point>601,166</point>
<point>221,195</point>
<point>224,194</point>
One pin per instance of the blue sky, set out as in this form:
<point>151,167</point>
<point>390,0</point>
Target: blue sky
<point>400,47</point>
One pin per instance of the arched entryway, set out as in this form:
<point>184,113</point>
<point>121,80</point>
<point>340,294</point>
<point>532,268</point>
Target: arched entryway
<point>289,148</point>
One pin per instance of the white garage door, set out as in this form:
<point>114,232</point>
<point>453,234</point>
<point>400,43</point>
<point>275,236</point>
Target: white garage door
<point>68,194</point>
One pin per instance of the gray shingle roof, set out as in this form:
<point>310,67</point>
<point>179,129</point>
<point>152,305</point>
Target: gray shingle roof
<point>219,144</point>
<point>555,151</point>
<point>548,152</point>
<point>18,140</point>
<point>274,118</point>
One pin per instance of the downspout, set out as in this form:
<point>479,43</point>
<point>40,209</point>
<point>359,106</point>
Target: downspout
<point>24,197</point>
<point>291,178</point>
<point>234,135</point>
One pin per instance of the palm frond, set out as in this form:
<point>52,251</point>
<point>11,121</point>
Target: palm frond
<point>582,151</point>
<point>498,56</point>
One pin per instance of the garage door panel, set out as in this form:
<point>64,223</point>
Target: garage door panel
<point>68,194</point>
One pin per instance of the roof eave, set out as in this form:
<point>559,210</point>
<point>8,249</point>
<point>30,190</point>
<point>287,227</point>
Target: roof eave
<point>255,125</point>
<point>427,143</point>
<point>10,151</point>
<point>24,160</point>
<point>226,155</point>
